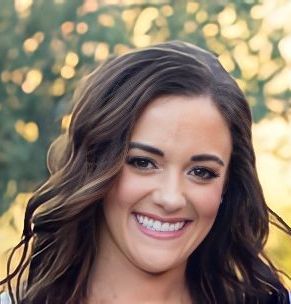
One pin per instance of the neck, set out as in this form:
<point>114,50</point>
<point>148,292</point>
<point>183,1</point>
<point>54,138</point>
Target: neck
<point>115,279</point>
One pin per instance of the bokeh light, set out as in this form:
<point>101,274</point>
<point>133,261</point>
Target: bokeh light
<point>32,81</point>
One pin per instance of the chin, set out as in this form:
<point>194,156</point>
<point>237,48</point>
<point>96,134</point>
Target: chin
<point>158,267</point>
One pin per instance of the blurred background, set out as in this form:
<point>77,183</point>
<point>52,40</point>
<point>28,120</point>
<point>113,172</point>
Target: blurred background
<point>47,46</point>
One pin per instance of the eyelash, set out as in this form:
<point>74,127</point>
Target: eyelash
<point>201,172</point>
<point>204,171</point>
<point>133,161</point>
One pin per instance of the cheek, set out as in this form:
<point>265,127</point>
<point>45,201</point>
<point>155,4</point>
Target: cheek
<point>128,189</point>
<point>207,200</point>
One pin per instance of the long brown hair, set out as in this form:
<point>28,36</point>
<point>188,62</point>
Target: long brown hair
<point>61,219</point>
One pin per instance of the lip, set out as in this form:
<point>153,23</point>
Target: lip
<point>163,219</point>
<point>161,235</point>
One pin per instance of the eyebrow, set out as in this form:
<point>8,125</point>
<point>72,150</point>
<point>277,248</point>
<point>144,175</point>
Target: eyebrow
<point>153,150</point>
<point>147,148</point>
<point>207,157</point>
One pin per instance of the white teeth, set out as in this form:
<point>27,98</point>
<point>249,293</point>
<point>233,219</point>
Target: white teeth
<point>152,224</point>
<point>165,227</point>
<point>145,221</point>
<point>139,218</point>
<point>157,225</point>
<point>172,227</point>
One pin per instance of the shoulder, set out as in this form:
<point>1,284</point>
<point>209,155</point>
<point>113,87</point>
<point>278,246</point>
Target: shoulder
<point>4,298</point>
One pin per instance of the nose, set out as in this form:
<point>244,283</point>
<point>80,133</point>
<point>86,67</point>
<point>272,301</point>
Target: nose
<point>168,194</point>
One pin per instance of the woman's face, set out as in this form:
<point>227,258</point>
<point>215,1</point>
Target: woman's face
<point>167,196</point>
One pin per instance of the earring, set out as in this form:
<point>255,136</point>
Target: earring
<point>221,201</point>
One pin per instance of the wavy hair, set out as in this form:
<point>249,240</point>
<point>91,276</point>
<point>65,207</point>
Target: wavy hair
<point>62,217</point>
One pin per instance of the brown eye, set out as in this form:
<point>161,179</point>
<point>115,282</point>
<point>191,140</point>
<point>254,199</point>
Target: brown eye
<point>203,173</point>
<point>141,163</point>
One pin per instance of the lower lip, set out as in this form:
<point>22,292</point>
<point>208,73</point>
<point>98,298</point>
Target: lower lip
<point>162,235</point>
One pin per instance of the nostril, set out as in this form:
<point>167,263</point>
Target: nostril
<point>169,199</point>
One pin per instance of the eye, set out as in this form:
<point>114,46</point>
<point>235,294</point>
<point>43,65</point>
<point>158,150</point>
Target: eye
<point>141,163</point>
<point>203,173</point>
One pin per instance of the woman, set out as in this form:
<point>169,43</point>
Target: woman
<point>153,195</point>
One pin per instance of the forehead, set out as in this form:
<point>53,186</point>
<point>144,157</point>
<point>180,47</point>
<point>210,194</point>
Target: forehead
<point>175,122</point>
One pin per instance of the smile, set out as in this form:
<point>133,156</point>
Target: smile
<point>156,225</point>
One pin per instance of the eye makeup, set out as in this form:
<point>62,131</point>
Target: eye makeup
<point>142,163</point>
<point>146,164</point>
<point>204,173</point>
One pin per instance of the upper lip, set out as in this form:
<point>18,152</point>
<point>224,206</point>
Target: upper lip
<point>163,219</point>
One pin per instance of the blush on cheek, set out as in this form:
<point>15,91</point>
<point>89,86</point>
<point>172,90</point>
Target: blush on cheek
<point>130,188</point>
<point>208,204</point>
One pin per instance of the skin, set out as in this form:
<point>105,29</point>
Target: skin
<point>160,178</point>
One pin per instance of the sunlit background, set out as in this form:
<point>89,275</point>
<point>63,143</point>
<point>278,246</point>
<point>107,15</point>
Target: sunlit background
<point>47,46</point>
